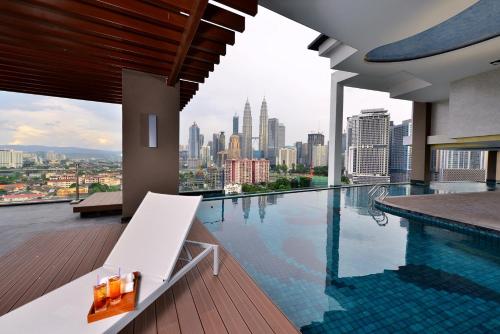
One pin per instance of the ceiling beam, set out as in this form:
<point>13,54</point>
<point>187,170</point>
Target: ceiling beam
<point>186,40</point>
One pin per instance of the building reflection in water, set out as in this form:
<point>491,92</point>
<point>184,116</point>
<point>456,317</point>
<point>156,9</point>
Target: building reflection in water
<point>262,202</point>
<point>246,203</point>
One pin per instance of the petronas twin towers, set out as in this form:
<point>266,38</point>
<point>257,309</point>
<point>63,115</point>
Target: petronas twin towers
<point>246,145</point>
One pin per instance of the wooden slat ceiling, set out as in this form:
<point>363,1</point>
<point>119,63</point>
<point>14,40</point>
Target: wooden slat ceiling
<point>77,49</point>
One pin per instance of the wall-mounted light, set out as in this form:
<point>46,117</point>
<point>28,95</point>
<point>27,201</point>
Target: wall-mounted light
<point>152,131</point>
<point>149,130</point>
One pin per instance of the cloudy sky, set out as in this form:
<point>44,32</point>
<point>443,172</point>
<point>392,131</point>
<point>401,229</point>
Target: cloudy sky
<point>269,59</point>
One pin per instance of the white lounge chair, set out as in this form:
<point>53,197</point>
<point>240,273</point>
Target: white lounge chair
<point>151,244</point>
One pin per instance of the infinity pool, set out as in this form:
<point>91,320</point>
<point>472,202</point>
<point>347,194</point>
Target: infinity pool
<point>332,268</point>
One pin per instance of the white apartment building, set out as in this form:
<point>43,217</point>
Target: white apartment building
<point>367,146</point>
<point>11,159</point>
<point>287,156</point>
<point>319,155</point>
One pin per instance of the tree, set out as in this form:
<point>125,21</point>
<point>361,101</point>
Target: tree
<point>97,187</point>
<point>304,181</point>
<point>345,179</point>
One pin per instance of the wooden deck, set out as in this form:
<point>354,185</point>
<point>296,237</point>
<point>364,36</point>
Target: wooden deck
<point>198,303</point>
<point>479,209</point>
<point>100,203</point>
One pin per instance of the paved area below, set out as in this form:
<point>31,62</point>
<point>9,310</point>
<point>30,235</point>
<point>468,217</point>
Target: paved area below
<point>480,208</point>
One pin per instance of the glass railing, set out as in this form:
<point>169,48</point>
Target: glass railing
<point>52,184</point>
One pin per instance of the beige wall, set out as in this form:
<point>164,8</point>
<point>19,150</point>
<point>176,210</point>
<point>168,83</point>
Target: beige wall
<point>148,169</point>
<point>421,153</point>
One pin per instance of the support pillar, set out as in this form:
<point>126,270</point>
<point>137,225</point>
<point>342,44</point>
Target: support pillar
<point>148,168</point>
<point>421,152</point>
<point>336,118</point>
<point>493,168</point>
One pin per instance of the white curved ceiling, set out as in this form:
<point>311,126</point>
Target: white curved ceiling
<point>367,24</point>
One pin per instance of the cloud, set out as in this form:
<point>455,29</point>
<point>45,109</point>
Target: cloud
<point>271,58</point>
<point>60,122</point>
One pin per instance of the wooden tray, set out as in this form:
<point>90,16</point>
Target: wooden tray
<point>126,304</point>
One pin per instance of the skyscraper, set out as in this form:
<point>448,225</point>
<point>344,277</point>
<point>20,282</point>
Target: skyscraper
<point>281,135</point>
<point>246,145</point>
<point>298,148</point>
<point>234,150</point>
<point>194,141</point>
<point>400,151</point>
<point>222,141</point>
<point>215,147</point>
<point>202,140</point>
<point>272,147</point>
<point>236,127</point>
<point>312,140</point>
<point>367,152</point>
<point>263,129</point>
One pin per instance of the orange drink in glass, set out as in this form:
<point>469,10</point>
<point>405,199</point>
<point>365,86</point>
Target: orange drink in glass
<point>100,297</point>
<point>115,286</point>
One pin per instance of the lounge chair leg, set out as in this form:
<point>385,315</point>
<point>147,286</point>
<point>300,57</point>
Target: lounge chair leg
<point>216,260</point>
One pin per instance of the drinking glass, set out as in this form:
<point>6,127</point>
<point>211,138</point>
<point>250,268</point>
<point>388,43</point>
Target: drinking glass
<point>115,293</point>
<point>100,297</point>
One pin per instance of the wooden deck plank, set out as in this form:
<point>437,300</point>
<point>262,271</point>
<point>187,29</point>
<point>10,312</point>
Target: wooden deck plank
<point>145,323</point>
<point>209,316</point>
<point>43,282</point>
<point>100,202</point>
<point>11,261</point>
<point>23,266</point>
<point>110,242</point>
<point>198,303</point>
<point>89,259</point>
<point>24,279</point>
<point>166,315</point>
<point>228,312</point>
<point>65,275</point>
<point>189,321</point>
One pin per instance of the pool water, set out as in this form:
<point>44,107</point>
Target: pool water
<point>332,268</point>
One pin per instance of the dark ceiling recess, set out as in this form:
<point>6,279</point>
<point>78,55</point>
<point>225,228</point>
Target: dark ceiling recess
<point>77,49</point>
<point>495,62</point>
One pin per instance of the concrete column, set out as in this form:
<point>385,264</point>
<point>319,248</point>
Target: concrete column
<point>144,168</point>
<point>421,153</point>
<point>336,118</point>
<point>493,167</point>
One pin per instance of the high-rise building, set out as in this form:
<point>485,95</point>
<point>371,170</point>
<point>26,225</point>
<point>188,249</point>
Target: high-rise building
<point>234,149</point>
<point>205,156</point>
<point>400,151</point>
<point>242,171</point>
<point>194,141</point>
<point>222,141</point>
<point>246,144</point>
<point>273,133</point>
<point>298,148</point>
<point>263,129</point>
<point>313,139</point>
<point>319,155</point>
<point>367,152</point>
<point>281,135</point>
<point>202,140</point>
<point>236,126</point>
<point>215,147</point>
<point>287,156</point>
<point>11,159</point>
<point>221,158</point>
